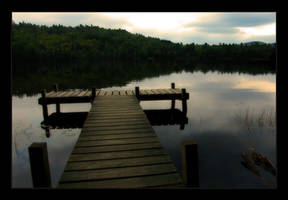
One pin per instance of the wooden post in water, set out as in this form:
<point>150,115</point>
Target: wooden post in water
<point>44,105</point>
<point>57,104</point>
<point>39,165</point>
<point>173,100</point>
<point>190,164</point>
<point>137,92</point>
<point>93,93</point>
<point>184,101</point>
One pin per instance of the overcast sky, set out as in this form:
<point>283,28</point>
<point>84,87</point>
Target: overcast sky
<point>185,27</point>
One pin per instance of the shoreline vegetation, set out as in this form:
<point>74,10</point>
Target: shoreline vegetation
<point>83,57</point>
<point>32,42</point>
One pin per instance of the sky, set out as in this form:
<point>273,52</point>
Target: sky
<point>178,27</point>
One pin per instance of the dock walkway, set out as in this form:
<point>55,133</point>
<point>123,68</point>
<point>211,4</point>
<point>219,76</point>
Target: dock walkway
<point>118,148</point>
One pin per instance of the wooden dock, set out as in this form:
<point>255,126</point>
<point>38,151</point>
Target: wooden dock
<point>117,147</point>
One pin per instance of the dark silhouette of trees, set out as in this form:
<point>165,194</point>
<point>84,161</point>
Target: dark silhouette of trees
<point>61,43</point>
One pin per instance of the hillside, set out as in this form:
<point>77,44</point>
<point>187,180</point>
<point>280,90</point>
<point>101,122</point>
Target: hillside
<point>60,43</point>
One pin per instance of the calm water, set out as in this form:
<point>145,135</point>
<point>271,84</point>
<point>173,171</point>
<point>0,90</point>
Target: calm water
<point>224,115</point>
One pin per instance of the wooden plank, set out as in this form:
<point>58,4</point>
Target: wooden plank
<point>108,93</point>
<point>115,142</point>
<point>115,93</point>
<point>129,92</point>
<point>91,131</point>
<point>116,125</point>
<point>117,136</point>
<point>88,93</point>
<point>76,93</point>
<point>68,94</point>
<point>60,93</point>
<point>123,93</point>
<point>97,92</point>
<point>133,182</point>
<point>122,147</point>
<point>169,91</point>
<point>101,93</point>
<point>50,94</point>
<point>122,127</point>
<point>143,92</point>
<point>103,174</point>
<point>116,155</point>
<point>113,120</point>
<point>124,162</point>
<point>82,93</point>
<point>149,92</point>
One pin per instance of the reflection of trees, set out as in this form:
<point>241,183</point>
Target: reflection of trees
<point>30,80</point>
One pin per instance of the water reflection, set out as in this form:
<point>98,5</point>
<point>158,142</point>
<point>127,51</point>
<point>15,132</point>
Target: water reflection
<point>216,113</point>
<point>72,120</point>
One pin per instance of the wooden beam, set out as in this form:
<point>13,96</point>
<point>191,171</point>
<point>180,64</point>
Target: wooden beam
<point>173,100</point>
<point>44,105</point>
<point>57,104</point>
<point>137,92</point>
<point>39,165</point>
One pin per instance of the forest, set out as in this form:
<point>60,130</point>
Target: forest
<point>86,56</point>
<point>40,43</point>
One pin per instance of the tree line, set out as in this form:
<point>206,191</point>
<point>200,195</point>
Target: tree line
<point>32,42</point>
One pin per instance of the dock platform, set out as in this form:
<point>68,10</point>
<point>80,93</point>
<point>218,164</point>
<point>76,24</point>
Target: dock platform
<point>117,146</point>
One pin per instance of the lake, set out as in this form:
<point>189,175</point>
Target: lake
<point>228,113</point>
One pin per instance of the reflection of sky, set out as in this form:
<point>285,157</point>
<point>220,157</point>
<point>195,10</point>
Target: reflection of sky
<point>214,101</point>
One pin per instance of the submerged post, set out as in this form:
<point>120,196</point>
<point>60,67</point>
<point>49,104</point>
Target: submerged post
<point>173,100</point>
<point>57,104</point>
<point>39,165</point>
<point>184,101</point>
<point>190,163</point>
<point>137,92</point>
<point>44,105</point>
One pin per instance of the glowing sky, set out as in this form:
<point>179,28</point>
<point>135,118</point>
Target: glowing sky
<point>185,27</point>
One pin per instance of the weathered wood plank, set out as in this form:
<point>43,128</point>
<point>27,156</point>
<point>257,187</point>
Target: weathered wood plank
<point>130,92</point>
<point>117,136</point>
<point>116,125</point>
<point>133,182</point>
<point>101,93</point>
<point>91,131</point>
<point>116,155</point>
<point>60,93</point>
<point>115,93</point>
<point>82,93</point>
<point>115,142</point>
<point>114,120</point>
<point>143,92</point>
<point>123,92</point>
<point>103,174</point>
<point>68,94</point>
<point>122,147</point>
<point>108,93</point>
<point>50,94</point>
<point>124,162</point>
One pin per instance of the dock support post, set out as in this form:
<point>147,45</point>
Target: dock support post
<point>39,165</point>
<point>173,100</point>
<point>93,93</point>
<point>44,105</point>
<point>137,92</point>
<point>57,104</point>
<point>184,101</point>
<point>190,164</point>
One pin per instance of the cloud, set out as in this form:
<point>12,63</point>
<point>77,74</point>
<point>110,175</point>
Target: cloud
<point>211,28</point>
